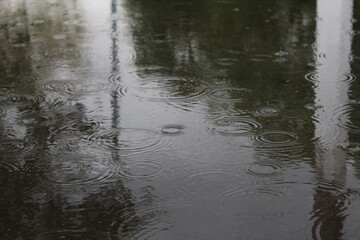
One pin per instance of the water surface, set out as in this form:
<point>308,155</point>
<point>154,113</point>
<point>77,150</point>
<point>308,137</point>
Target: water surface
<point>195,119</point>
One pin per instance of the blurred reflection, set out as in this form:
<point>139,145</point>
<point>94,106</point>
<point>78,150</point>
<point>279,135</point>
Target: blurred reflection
<point>332,86</point>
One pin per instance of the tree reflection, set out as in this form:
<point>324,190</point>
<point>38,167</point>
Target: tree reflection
<point>57,186</point>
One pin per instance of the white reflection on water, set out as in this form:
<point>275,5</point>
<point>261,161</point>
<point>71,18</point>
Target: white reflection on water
<point>333,51</point>
<point>334,42</point>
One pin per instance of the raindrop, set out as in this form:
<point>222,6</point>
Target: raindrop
<point>267,112</point>
<point>172,129</point>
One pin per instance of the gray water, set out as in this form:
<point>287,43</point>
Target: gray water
<point>195,119</point>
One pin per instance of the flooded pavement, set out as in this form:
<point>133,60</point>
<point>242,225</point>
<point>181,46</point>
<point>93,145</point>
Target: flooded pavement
<point>195,119</point>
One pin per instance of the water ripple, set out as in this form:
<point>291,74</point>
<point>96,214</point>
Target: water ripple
<point>34,119</point>
<point>331,202</point>
<point>347,115</point>
<point>168,89</point>
<point>15,146</point>
<point>235,126</point>
<point>70,234</point>
<point>265,169</point>
<point>133,140</point>
<point>84,88</point>
<point>252,203</point>
<point>346,77</point>
<point>209,183</point>
<point>277,144</point>
<point>68,171</point>
<point>142,169</point>
<point>230,94</point>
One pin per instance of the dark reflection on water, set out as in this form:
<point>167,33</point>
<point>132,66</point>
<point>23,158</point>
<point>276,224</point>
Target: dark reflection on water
<point>196,119</point>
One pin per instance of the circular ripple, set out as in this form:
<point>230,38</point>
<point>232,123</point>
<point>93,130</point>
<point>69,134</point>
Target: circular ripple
<point>67,171</point>
<point>127,139</point>
<point>331,200</point>
<point>267,112</point>
<point>84,88</point>
<point>168,89</point>
<point>230,94</point>
<point>142,169</point>
<point>265,169</point>
<point>173,129</point>
<point>235,126</point>
<point>275,138</point>
<point>122,91</point>
<point>279,144</point>
<point>253,203</point>
<point>131,217</point>
<point>12,146</point>
<point>347,116</point>
<point>114,79</point>
<point>346,77</point>
<point>209,183</point>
